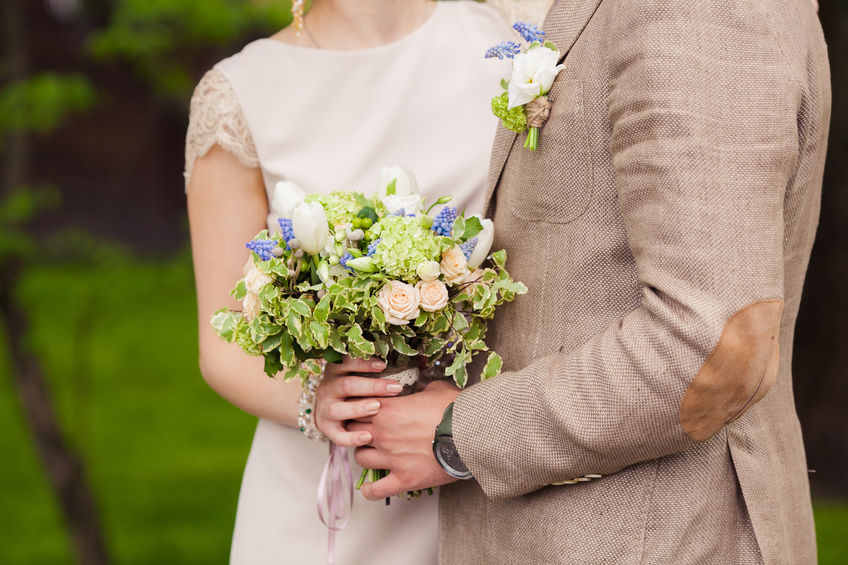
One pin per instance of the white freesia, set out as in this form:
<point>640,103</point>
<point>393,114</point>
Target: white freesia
<point>362,264</point>
<point>324,271</point>
<point>405,183</point>
<point>484,243</point>
<point>428,271</point>
<point>410,204</point>
<point>287,195</point>
<point>309,223</point>
<point>533,74</point>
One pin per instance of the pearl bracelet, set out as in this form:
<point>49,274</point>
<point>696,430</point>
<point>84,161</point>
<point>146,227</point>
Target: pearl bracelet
<point>306,408</point>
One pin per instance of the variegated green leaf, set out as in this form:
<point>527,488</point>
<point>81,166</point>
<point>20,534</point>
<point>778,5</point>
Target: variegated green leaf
<point>301,308</point>
<point>459,322</point>
<point>322,309</point>
<point>493,366</point>
<point>224,322</point>
<point>240,291</point>
<point>401,346</point>
<point>321,333</point>
<point>499,257</point>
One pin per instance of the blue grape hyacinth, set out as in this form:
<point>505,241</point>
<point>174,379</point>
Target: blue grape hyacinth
<point>262,247</point>
<point>530,32</point>
<point>286,229</point>
<point>344,259</point>
<point>372,249</point>
<point>468,247</point>
<point>504,50</point>
<point>443,222</point>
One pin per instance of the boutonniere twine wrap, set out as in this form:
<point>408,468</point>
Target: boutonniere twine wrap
<point>524,104</point>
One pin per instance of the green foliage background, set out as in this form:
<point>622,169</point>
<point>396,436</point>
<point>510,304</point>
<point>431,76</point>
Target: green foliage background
<point>163,451</point>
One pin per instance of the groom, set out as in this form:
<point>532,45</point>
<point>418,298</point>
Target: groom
<point>663,228</point>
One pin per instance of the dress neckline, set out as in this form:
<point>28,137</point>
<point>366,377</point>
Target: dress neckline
<point>386,47</point>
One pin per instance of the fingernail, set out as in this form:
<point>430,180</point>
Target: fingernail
<point>372,407</point>
<point>394,387</point>
<point>365,437</point>
<point>377,364</point>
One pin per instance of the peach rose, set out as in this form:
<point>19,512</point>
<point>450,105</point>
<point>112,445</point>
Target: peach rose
<point>399,302</point>
<point>454,266</point>
<point>255,280</point>
<point>251,307</point>
<point>433,295</point>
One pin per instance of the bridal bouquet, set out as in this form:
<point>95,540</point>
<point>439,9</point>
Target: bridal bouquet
<point>348,274</point>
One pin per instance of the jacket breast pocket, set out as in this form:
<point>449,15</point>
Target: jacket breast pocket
<point>555,183</point>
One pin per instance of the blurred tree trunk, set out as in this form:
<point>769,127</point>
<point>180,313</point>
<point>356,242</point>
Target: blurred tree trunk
<point>64,468</point>
<point>820,358</point>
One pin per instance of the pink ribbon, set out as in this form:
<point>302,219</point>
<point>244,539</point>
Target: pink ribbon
<point>336,481</point>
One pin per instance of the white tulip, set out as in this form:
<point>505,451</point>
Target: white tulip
<point>405,183</point>
<point>309,222</point>
<point>533,74</point>
<point>286,196</point>
<point>410,204</point>
<point>484,243</point>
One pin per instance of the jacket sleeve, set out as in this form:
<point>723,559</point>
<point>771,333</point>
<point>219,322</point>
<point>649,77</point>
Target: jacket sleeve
<point>704,142</point>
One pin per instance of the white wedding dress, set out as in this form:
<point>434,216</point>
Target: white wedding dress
<point>329,120</point>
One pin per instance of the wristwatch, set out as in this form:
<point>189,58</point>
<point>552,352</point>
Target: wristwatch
<point>445,450</point>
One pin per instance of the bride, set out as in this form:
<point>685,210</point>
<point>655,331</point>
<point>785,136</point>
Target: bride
<point>365,83</point>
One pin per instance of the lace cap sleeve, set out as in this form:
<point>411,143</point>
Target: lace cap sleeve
<point>216,117</point>
<point>531,11</point>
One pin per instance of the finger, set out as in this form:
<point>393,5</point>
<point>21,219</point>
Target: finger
<point>345,387</point>
<point>345,438</point>
<point>341,410</point>
<point>370,458</point>
<point>388,486</point>
<point>351,365</point>
<point>360,427</point>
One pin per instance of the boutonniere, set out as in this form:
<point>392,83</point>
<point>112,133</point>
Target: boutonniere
<point>524,103</point>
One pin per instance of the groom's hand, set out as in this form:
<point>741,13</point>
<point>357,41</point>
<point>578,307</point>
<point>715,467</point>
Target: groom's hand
<point>402,433</point>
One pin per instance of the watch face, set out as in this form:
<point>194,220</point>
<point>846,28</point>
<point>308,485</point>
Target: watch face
<point>449,458</point>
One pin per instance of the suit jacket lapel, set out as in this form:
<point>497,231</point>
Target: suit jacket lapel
<point>564,24</point>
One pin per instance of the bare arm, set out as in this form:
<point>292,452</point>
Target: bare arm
<point>227,206</point>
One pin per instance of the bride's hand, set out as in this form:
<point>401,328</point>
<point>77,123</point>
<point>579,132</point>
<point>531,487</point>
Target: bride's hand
<point>344,396</point>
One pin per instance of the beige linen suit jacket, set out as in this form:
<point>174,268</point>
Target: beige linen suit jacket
<point>663,229</point>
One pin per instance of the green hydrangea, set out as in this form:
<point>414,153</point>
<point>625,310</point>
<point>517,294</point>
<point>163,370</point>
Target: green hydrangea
<point>404,244</point>
<point>341,207</point>
<point>514,119</point>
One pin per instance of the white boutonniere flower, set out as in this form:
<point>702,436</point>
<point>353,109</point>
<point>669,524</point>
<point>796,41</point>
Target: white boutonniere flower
<point>525,105</point>
<point>533,74</point>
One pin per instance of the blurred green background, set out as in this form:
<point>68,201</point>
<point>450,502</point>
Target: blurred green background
<point>97,296</point>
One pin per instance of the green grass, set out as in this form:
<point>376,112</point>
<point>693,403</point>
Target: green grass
<point>163,452</point>
<point>832,532</point>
